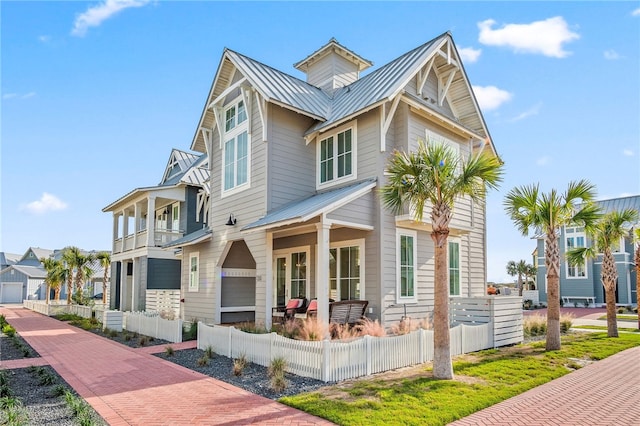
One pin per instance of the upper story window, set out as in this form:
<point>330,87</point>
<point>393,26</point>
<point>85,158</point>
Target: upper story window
<point>575,237</point>
<point>236,148</point>
<point>337,156</point>
<point>433,137</point>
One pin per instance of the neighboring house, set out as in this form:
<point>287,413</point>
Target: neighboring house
<point>143,275</point>
<point>583,281</point>
<point>24,278</point>
<point>8,259</point>
<point>295,171</point>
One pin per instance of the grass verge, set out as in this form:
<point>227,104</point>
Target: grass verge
<point>604,327</point>
<point>482,379</point>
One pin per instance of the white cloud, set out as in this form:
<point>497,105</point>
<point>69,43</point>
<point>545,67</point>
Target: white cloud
<point>611,55</point>
<point>46,203</point>
<point>541,37</point>
<point>94,16</point>
<point>469,54</point>
<point>627,153</point>
<point>490,97</point>
<point>534,110</point>
<point>44,38</point>
<point>18,95</point>
<point>636,12</point>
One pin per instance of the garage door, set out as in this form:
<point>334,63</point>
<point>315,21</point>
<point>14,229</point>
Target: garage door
<point>11,293</point>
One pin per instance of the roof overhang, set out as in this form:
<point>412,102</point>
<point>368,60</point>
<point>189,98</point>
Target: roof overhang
<point>196,237</point>
<point>319,204</point>
<point>138,192</point>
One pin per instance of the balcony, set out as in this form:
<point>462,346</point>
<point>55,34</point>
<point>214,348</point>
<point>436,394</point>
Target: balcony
<point>139,240</point>
<point>164,236</point>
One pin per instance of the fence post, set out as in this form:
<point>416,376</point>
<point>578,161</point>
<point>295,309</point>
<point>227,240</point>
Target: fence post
<point>421,343</point>
<point>326,360</point>
<point>367,341</point>
<point>230,343</point>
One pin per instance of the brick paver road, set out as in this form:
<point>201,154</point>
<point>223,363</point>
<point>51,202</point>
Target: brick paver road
<point>129,387</point>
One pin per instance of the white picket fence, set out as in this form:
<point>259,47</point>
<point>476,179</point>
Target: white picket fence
<point>334,360</point>
<point>54,308</point>
<point>151,324</point>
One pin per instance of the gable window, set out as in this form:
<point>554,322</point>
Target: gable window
<point>406,258</point>
<point>236,147</point>
<point>194,277</point>
<point>575,237</point>
<point>454,268</point>
<point>345,282</point>
<point>337,156</point>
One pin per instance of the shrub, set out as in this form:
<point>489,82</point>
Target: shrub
<point>566,321</point>
<point>192,332</point>
<point>629,308</point>
<point>621,310</point>
<point>311,329</point>
<point>47,379</point>
<point>126,336</point>
<point>278,383</point>
<point>8,330</point>
<point>143,340</point>
<point>534,325</point>
<point>290,329</point>
<point>13,412</point>
<point>277,367</point>
<point>368,327</point>
<point>58,390</point>
<point>3,321</point>
<point>208,351</point>
<point>253,328</point>
<point>113,333</point>
<point>202,361</point>
<point>169,351</point>
<point>239,364</point>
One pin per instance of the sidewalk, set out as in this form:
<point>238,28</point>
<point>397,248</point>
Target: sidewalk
<point>132,387</point>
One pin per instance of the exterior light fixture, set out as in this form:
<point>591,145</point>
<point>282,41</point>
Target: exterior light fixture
<point>231,221</point>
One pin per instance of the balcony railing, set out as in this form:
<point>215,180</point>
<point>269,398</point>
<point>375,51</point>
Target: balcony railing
<point>161,237</point>
<point>164,236</point>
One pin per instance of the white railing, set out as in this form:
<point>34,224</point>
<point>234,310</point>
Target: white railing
<point>151,324</point>
<point>164,236</point>
<point>334,360</point>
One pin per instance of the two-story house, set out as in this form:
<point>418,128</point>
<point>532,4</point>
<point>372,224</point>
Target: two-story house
<point>144,276</point>
<point>583,283</point>
<point>22,278</point>
<point>295,171</point>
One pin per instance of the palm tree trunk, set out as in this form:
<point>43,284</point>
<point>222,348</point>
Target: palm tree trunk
<point>552,261</point>
<point>69,290</point>
<point>609,277</point>
<point>104,286</point>
<point>637,261</point>
<point>520,285</point>
<point>442,364</point>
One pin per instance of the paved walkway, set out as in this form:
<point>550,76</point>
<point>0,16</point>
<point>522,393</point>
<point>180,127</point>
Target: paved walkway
<point>131,387</point>
<point>604,393</point>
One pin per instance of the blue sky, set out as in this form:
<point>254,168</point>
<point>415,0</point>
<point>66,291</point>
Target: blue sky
<point>96,94</point>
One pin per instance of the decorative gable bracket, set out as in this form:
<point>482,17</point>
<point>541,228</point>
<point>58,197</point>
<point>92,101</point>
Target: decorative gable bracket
<point>445,72</point>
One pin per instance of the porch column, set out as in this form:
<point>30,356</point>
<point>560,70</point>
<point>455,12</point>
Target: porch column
<point>136,221</point>
<point>125,225</point>
<point>115,229</point>
<point>322,274</point>
<point>151,213</point>
<point>123,285</point>
<point>268,279</point>
<point>135,285</point>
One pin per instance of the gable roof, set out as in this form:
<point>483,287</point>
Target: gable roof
<point>30,271</point>
<point>333,45</point>
<point>38,252</point>
<point>619,204</point>
<point>366,93</point>
<point>9,258</point>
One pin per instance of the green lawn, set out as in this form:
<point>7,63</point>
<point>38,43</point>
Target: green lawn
<point>621,317</point>
<point>604,327</point>
<point>482,379</point>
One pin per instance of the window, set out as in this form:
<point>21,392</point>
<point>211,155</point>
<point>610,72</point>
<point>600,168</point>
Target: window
<point>454,268</point>
<point>290,274</point>
<point>336,156</point>
<point>194,277</point>
<point>433,137</point>
<point>175,217</point>
<point>236,147</point>
<point>345,281</point>
<point>575,238</point>
<point>406,266</point>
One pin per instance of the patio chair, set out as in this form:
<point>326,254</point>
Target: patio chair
<point>289,311</point>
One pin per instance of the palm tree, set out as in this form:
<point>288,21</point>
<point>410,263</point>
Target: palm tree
<point>76,266</point>
<point>435,174</point>
<point>55,276</point>
<point>531,210</point>
<point>105,261</point>
<point>606,234</point>
<point>70,259</point>
<point>519,269</point>
<point>530,272</point>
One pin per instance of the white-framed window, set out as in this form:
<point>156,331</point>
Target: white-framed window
<point>175,217</point>
<point>291,274</point>
<point>236,151</point>
<point>194,271</point>
<point>406,270</point>
<point>346,270</point>
<point>336,154</point>
<point>454,267</point>
<point>574,238</point>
